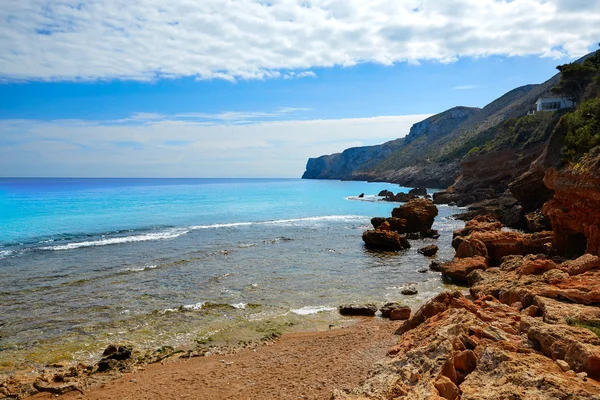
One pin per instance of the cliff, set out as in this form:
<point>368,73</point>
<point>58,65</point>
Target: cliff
<point>431,154</point>
<point>356,163</point>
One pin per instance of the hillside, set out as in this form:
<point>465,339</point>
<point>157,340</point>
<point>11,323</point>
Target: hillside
<point>431,154</point>
<point>354,161</point>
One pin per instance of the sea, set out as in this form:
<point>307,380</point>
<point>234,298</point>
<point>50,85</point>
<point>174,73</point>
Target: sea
<point>176,262</point>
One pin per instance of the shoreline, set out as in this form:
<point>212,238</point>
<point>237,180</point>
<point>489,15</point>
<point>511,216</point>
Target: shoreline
<point>312,363</point>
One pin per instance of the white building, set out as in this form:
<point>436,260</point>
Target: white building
<point>553,103</point>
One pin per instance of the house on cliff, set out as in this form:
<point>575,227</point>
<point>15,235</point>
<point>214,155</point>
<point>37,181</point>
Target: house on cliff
<point>553,103</point>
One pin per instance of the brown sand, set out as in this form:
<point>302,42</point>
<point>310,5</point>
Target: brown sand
<point>298,366</point>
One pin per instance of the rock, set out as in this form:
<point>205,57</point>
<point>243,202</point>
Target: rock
<point>435,266</point>
<point>574,211</point>
<point>395,224</point>
<point>387,308</point>
<point>582,375</point>
<point>430,233</point>
<point>362,195</point>
<point>446,388</point>
<point>423,271</point>
<point>56,389</point>
<point>453,347</point>
<point>368,309</point>
<point>471,247</point>
<point>458,269</point>
<point>428,251</point>
<point>402,313</point>
<point>563,365</point>
<point>385,193</point>
<point>510,283</point>
<point>421,191</point>
<point>409,291</point>
<point>382,240</point>
<point>559,312</point>
<point>418,213</point>
<point>117,352</point>
<point>537,222</point>
<point>413,236</point>
<point>582,264</point>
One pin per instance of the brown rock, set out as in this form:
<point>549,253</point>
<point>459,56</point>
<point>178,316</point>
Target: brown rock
<point>559,312</point>
<point>419,214</point>
<point>382,240</point>
<point>402,313</point>
<point>582,264</point>
<point>387,308</point>
<point>471,247</point>
<point>447,388</point>
<point>537,222</point>
<point>465,361</point>
<point>428,251</point>
<point>574,211</point>
<point>458,269</point>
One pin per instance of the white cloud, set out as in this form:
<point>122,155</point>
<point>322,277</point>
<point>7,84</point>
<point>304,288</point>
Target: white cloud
<point>252,39</point>
<point>168,147</point>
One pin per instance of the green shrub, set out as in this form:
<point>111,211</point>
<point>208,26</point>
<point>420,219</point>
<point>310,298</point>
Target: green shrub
<point>583,130</point>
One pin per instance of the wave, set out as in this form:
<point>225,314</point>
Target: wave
<point>282,221</point>
<point>170,234</point>
<point>5,253</point>
<point>140,269</point>
<point>312,310</point>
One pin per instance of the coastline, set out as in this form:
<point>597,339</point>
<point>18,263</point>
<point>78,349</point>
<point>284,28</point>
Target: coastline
<point>307,365</point>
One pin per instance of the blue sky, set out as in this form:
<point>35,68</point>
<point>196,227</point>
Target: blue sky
<point>246,88</point>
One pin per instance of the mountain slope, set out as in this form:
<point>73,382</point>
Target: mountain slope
<point>354,161</point>
<point>431,154</point>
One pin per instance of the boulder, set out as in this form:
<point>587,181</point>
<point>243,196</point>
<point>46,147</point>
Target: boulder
<point>362,195</point>
<point>396,224</point>
<point>420,191</point>
<point>537,222</point>
<point>367,310</point>
<point>385,240</point>
<point>435,266</point>
<point>418,213</point>
<point>458,269</point>
<point>428,251</point>
<point>400,314</point>
<point>387,308</point>
<point>409,291</point>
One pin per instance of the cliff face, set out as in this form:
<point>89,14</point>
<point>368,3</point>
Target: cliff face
<point>573,211</point>
<point>357,163</point>
<point>342,165</point>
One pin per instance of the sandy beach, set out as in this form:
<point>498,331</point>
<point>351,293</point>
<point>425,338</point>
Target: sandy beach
<point>297,366</point>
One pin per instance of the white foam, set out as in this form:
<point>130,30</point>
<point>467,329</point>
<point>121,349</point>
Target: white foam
<point>5,253</point>
<point>239,306</point>
<point>139,269</point>
<point>194,307</point>
<point>283,221</point>
<point>170,234</point>
<point>312,310</point>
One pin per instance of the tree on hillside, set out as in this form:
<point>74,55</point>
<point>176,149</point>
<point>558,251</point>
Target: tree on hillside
<point>576,77</point>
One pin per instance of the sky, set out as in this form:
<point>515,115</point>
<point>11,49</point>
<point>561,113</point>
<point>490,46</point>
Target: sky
<point>253,88</point>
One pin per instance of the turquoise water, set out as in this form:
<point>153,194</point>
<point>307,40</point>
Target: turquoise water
<point>87,262</point>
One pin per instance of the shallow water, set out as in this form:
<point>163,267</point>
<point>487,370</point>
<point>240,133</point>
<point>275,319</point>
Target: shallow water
<point>85,263</point>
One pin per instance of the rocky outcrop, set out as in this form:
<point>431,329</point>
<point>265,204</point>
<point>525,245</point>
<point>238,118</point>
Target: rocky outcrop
<point>418,213</point>
<point>483,349</point>
<point>574,211</point>
<point>522,278</point>
<point>428,251</point>
<point>382,239</point>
